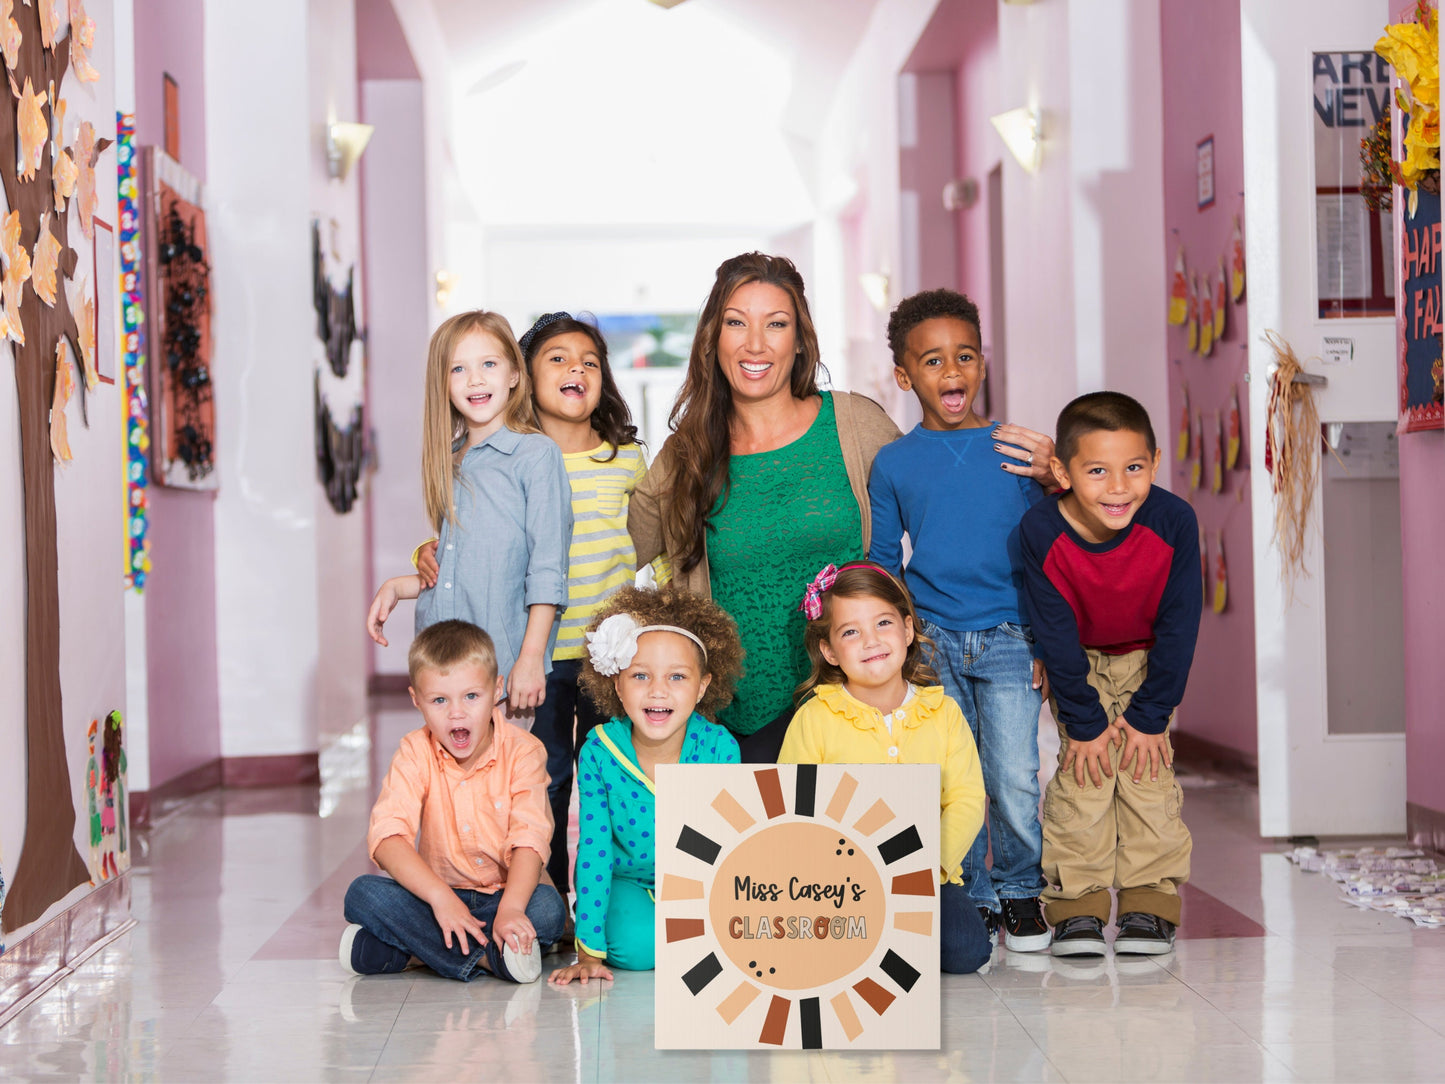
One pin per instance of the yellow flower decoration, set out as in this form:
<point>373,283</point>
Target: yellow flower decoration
<point>1413,50</point>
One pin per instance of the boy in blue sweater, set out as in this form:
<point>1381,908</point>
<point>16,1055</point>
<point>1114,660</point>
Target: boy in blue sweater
<point>958,494</point>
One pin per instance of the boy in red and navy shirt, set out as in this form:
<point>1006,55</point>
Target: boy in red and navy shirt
<point>1113,586</point>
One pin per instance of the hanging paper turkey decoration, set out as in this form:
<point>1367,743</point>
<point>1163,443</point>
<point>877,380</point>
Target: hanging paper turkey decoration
<point>1178,291</point>
<point>1206,316</point>
<point>1221,574</point>
<point>1221,293</point>
<point>1191,324</point>
<point>1196,466</point>
<point>1236,262</point>
<point>1231,455</point>
<point>1216,458</point>
<point>1182,451</point>
<point>1203,567</point>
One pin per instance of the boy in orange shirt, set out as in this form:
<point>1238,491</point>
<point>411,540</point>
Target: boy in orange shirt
<point>462,826</point>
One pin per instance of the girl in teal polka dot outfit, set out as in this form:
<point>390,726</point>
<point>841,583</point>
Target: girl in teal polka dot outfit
<point>661,663</point>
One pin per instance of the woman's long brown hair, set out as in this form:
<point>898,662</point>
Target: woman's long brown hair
<point>701,418</point>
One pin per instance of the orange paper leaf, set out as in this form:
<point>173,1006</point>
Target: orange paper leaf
<point>83,154</point>
<point>30,118</point>
<point>64,386</point>
<point>82,39</point>
<point>10,36</point>
<point>82,304</point>
<point>49,22</point>
<point>17,270</point>
<point>63,176</point>
<point>46,263</point>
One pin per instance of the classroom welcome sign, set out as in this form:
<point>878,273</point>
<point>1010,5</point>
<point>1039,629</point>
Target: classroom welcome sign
<point>797,907</point>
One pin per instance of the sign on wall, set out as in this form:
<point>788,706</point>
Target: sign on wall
<point>1419,320</point>
<point>797,907</point>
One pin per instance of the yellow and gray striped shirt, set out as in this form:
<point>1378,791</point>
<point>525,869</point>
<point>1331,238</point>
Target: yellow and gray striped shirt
<point>602,558</point>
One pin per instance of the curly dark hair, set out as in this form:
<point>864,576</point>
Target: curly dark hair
<point>928,305</point>
<point>671,605</point>
<point>864,579</point>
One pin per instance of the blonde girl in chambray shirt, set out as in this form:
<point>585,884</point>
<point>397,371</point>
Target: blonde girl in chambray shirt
<point>497,494</point>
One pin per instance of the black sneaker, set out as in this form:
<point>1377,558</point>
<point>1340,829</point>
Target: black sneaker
<point>1142,934</point>
<point>990,923</point>
<point>1082,935</point>
<point>1024,927</point>
<point>363,953</point>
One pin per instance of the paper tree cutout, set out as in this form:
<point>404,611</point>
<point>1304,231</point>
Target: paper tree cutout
<point>1182,451</point>
<point>1178,291</point>
<point>1231,455</point>
<point>1236,262</point>
<point>64,386</point>
<point>34,132</point>
<point>1221,291</point>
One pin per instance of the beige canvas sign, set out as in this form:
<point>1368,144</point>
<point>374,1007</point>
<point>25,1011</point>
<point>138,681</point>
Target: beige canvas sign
<point>797,906</point>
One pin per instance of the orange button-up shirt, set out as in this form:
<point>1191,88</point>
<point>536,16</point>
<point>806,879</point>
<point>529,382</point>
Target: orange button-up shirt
<point>466,824</point>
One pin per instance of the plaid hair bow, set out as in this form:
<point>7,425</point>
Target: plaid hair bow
<point>812,605</point>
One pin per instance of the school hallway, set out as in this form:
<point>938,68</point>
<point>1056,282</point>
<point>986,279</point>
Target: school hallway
<point>230,973</point>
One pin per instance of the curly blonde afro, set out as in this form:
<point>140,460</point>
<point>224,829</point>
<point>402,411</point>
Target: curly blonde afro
<point>671,605</point>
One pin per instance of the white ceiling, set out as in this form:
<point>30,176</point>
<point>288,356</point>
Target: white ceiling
<point>620,113</point>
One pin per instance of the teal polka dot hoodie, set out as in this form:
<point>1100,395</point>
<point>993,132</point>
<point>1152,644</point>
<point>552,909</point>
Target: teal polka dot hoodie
<point>617,815</point>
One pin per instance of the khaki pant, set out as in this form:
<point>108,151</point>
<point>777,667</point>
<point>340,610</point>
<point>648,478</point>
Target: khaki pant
<point>1124,835</point>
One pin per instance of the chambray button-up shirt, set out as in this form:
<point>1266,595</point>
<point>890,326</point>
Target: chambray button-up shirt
<point>508,548</point>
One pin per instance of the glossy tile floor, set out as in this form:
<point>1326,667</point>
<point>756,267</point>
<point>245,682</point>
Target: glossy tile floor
<point>231,974</point>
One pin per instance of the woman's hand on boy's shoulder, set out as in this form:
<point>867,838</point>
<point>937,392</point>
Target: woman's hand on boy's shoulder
<point>1032,449</point>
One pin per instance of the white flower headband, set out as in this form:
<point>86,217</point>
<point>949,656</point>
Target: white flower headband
<point>614,642</point>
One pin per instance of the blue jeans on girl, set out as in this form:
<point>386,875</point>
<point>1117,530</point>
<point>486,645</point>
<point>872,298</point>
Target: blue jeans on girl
<point>990,674</point>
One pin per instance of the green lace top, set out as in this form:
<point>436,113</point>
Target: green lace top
<point>787,513</point>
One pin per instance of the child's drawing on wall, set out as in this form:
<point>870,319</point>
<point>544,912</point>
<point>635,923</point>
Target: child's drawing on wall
<point>113,814</point>
<point>93,787</point>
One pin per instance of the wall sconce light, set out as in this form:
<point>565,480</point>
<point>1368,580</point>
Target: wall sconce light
<point>345,141</point>
<point>1023,135</point>
<point>446,282</point>
<point>875,288</point>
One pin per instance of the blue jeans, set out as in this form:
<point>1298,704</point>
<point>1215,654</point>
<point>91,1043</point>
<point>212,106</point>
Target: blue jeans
<point>964,945</point>
<point>990,674</point>
<point>392,914</point>
<point>562,723</point>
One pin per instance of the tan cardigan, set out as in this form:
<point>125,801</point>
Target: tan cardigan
<point>863,428</point>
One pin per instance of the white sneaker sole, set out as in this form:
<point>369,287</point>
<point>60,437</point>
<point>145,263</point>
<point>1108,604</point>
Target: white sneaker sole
<point>523,967</point>
<point>1033,943</point>
<point>1078,948</point>
<point>1131,947</point>
<point>343,954</point>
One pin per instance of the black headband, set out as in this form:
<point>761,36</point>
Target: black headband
<point>526,340</point>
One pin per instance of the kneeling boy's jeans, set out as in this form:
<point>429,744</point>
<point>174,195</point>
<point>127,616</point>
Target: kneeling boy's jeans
<point>391,913</point>
<point>964,946</point>
<point>990,674</point>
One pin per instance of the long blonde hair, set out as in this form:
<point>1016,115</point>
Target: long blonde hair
<point>442,426</point>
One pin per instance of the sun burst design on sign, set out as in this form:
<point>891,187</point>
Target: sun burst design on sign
<point>797,907</point>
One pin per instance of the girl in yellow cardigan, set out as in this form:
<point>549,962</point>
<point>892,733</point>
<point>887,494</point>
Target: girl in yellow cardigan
<point>872,698</point>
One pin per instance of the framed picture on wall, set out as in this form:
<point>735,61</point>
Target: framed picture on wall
<point>1204,171</point>
<point>106,313</point>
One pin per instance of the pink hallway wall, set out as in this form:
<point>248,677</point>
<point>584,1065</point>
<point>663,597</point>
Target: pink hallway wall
<point>1202,97</point>
<point>1422,526</point>
<point>185,725</point>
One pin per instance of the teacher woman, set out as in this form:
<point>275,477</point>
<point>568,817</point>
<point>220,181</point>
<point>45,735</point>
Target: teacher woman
<point>763,481</point>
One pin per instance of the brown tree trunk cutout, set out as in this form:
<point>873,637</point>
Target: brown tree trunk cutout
<point>49,866</point>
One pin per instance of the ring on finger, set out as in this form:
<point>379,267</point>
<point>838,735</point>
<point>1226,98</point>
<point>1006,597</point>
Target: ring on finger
<point>1031,459</point>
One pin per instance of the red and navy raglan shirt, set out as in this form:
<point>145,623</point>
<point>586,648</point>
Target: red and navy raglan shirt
<point>1141,589</point>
